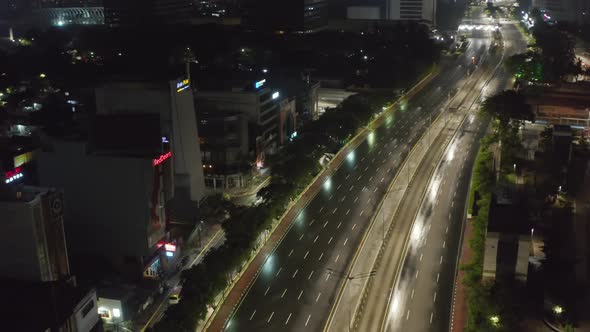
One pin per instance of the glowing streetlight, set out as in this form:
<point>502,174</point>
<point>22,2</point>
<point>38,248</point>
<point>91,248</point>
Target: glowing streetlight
<point>495,320</point>
<point>42,75</point>
<point>558,310</point>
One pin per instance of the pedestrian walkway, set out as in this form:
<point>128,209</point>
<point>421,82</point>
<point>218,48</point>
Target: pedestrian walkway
<point>459,306</point>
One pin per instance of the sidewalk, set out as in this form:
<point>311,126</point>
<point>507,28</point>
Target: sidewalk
<point>459,306</point>
<point>243,283</point>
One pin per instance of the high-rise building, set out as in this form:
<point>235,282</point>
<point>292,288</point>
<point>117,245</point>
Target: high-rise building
<point>173,11</point>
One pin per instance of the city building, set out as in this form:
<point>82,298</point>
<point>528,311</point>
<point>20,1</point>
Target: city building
<point>173,103</point>
<point>223,137</point>
<point>508,240</point>
<point>287,120</point>
<point>411,10</point>
<point>32,219</point>
<point>38,269</point>
<point>117,183</point>
<point>50,306</point>
<point>287,15</point>
<point>565,104</point>
<point>67,12</point>
<point>173,11</point>
<point>17,160</point>
<point>572,11</point>
<point>257,101</point>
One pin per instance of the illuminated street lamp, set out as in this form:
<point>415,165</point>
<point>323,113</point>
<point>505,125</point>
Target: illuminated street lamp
<point>495,320</point>
<point>558,310</point>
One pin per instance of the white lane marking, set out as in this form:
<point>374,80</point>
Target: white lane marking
<point>321,209</point>
<point>330,240</point>
<point>450,216</point>
<point>340,185</point>
<point>325,224</point>
<point>269,318</point>
<point>330,197</point>
<point>437,276</point>
<point>366,168</point>
<point>317,298</point>
<point>322,255</point>
<point>370,179</point>
<point>421,256</point>
<point>447,230</point>
<point>389,154</point>
<point>353,226</point>
<point>283,295</point>
<point>301,293</point>
<point>348,211</point>
<point>440,260</point>
<point>369,200</point>
<point>307,253</point>
<point>343,198</point>
<point>267,290</point>
<point>382,179</point>
<point>307,321</point>
<point>361,214</point>
<point>434,298</point>
<point>345,241</point>
<point>336,209</point>
<point>252,316</point>
<point>359,178</point>
<point>340,223</point>
<point>312,221</point>
<point>453,203</point>
<point>290,253</point>
<point>316,238</point>
<point>377,170</point>
<point>279,271</point>
<point>408,315</point>
<point>294,274</point>
<point>356,199</point>
<point>327,277</point>
<point>444,244</point>
<point>336,260</point>
<point>431,314</point>
<point>310,274</point>
<point>412,296</point>
<point>455,194</point>
<point>287,321</point>
<point>351,188</point>
<point>417,274</point>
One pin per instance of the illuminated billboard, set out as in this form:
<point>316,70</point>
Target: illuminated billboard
<point>182,85</point>
<point>259,83</point>
<point>162,158</point>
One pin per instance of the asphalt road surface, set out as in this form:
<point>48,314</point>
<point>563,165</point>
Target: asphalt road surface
<point>422,300</point>
<point>295,291</point>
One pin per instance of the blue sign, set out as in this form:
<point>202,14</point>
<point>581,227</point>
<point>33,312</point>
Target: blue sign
<point>259,83</point>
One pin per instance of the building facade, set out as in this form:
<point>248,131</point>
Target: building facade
<point>259,103</point>
<point>33,221</point>
<point>223,139</point>
<point>411,10</point>
<point>173,103</point>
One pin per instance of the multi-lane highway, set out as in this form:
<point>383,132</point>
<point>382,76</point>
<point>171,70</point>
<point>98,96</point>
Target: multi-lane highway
<point>296,287</point>
<point>426,282</point>
<point>420,298</point>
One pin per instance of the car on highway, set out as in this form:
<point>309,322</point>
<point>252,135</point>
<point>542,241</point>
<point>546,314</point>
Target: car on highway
<point>173,299</point>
